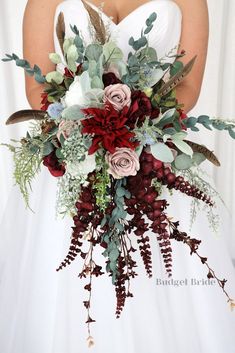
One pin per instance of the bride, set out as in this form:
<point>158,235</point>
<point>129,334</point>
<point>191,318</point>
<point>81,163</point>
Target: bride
<point>41,311</point>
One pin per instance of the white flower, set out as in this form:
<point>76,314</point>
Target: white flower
<point>85,167</point>
<point>76,95</point>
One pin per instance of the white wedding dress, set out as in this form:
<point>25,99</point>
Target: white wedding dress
<point>41,310</point>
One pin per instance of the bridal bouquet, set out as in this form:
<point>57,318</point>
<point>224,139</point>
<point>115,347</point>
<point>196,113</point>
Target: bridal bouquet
<point>115,136</point>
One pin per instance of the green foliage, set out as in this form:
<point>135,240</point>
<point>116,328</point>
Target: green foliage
<point>111,53</point>
<point>56,91</point>
<point>210,123</point>
<point>55,76</point>
<point>116,224</point>
<point>31,71</point>
<point>55,58</point>
<point>93,52</point>
<point>72,113</point>
<point>102,184</point>
<point>176,67</point>
<point>68,194</point>
<point>197,177</point>
<point>27,161</point>
<point>162,152</point>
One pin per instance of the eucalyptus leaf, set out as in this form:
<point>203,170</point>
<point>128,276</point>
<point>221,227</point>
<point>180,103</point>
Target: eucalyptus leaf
<point>194,128</point>
<point>120,192</point>
<point>156,76</point>
<point>59,154</point>
<point>67,43</point>
<point>182,146</point>
<point>113,265</point>
<point>39,78</point>
<point>166,117</point>
<point>119,226</point>
<point>72,56</point>
<point>189,122</point>
<point>55,58</point>
<point>162,152</point>
<point>79,43</point>
<point>180,135</point>
<point>92,68</point>
<point>96,82</point>
<point>142,42</point>
<point>112,52</point>
<point>93,51</point>
<point>183,162</point>
<point>148,29</point>
<point>219,125</point>
<point>72,113</point>
<point>55,76</point>
<point>149,54</point>
<point>133,61</point>
<point>22,63</point>
<point>231,132</point>
<point>198,158</point>
<point>152,17</point>
<point>203,119</point>
<point>47,148</point>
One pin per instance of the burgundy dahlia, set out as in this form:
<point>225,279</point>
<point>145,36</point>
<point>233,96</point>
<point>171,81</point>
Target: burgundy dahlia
<point>108,127</point>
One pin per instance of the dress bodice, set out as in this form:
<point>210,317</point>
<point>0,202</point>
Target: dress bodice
<point>164,36</point>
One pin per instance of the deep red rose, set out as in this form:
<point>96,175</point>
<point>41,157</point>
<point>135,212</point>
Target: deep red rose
<point>44,101</point>
<point>182,117</point>
<point>110,79</point>
<point>140,107</point>
<point>69,74</point>
<point>108,127</point>
<point>53,165</point>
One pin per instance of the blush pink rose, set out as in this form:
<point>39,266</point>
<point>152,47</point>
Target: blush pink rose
<point>65,128</point>
<point>123,162</point>
<point>119,95</point>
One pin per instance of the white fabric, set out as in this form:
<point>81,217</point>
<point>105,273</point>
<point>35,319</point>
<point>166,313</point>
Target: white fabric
<point>42,312</point>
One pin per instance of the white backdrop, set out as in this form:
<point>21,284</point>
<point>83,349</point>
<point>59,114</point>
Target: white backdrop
<point>217,96</point>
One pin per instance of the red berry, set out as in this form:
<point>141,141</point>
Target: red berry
<point>157,205</point>
<point>157,164</point>
<point>147,182</point>
<point>141,194</point>
<point>170,178</point>
<point>147,168</point>
<point>160,174</point>
<point>149,157</point>
<point>167,171</point>
<point>157,213</point>
<point>149,198</point>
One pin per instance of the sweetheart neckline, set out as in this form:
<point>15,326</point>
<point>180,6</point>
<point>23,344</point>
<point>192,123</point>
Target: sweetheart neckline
<point>131,13</point>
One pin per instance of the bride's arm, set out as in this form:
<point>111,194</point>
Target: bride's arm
<point>194,39</point>
<point>38,42</point>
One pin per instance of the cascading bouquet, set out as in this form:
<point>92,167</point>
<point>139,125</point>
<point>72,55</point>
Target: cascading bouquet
<point>115,136</point>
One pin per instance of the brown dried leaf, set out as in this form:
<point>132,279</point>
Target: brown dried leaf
<point>25,115</point>
<point>60,30</point>
<point>97,23</point>
<point>176,79</point>
<point>210,156</point>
